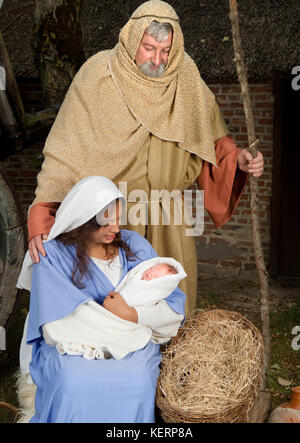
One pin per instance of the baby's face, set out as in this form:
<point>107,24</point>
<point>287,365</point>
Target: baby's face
<point>157,271</point>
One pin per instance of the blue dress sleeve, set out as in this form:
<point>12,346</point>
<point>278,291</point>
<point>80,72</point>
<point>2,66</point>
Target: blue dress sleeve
<point>53,295</point>
<point>144,251</point>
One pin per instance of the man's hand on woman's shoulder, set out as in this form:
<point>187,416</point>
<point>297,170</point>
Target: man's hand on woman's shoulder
<point>35,246</point>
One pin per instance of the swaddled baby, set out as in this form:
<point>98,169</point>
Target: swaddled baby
<point>150,281</point>
<point>85,331</point>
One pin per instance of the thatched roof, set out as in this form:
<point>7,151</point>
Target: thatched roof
<point>270,32</point>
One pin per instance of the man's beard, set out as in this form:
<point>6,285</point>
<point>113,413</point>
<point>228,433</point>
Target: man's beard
<point>146,69</point>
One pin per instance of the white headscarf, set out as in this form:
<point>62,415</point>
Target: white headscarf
<point>89,197</point>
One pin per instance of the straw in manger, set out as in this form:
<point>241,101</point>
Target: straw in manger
<point>210,371</point>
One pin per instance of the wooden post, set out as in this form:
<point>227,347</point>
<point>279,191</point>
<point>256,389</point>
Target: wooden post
<point>262,404</point>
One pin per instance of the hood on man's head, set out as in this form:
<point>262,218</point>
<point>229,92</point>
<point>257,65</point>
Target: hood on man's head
<point>132,33</point>
<point>163,104</point>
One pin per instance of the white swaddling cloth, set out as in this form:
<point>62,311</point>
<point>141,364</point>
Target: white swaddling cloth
<point>94,332</point>
<point>138,292</point>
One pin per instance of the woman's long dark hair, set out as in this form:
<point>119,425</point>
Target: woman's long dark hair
<point>79,238</point>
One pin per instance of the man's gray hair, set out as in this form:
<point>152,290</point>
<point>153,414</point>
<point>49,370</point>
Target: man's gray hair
<point>159,31</point>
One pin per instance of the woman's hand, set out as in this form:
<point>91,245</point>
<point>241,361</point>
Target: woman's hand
<point>116,304</point>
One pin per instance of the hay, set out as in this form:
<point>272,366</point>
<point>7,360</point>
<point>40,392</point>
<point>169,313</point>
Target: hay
<point>210,372</point>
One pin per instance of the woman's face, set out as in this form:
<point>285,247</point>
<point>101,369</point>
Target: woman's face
<point>106,233</point>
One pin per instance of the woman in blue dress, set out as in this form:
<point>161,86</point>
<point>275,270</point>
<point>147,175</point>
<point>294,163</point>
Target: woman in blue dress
<point>87,254</point>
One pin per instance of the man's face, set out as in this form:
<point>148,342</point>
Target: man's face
<point>152,57</point>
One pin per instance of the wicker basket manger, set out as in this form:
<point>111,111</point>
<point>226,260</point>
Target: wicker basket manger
<point>210,372</point>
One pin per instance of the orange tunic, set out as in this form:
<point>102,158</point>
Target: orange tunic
<point>223,186</point>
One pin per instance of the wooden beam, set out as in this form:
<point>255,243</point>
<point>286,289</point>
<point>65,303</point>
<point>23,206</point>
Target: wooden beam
<point>46,115</point>
<point>11,84</point>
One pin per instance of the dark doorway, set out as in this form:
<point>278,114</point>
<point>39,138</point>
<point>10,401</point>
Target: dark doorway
<point>285,237</point>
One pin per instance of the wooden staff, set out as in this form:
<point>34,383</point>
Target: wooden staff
<point>262,405</point>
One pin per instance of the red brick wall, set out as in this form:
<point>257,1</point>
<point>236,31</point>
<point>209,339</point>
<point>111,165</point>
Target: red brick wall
<point>23,167</point>
<point>237,234</point>
<point>218,249</point>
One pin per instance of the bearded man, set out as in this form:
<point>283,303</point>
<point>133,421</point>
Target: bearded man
<point>142,114</point>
